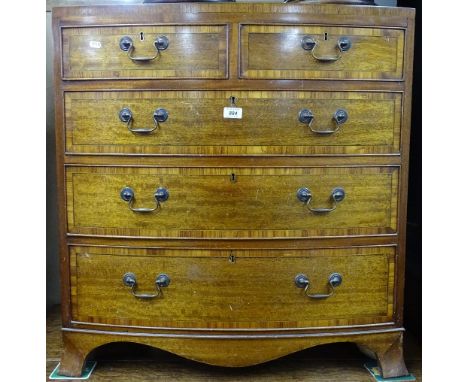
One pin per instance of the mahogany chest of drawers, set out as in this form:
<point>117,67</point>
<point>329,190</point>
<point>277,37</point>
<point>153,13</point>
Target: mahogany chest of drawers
<point>233,178</point>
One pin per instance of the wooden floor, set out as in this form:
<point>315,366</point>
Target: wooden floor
<point>130,363</point>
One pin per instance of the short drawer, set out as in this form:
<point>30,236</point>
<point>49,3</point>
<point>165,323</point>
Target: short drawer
<point>272,123</point>
<point>159,51</point>
<point>231,202</point>
<point>322,52</point>
<point>241,289</point>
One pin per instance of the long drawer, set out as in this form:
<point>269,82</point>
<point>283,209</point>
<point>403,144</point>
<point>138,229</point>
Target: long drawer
<point>192,122</point>
<point>232,202</point>
<point>322,52</point>
<point>159,51</point>
<point>241,289</point>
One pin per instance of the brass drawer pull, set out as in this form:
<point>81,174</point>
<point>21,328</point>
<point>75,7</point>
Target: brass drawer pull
<point>343,44</point>
<point>126,44</point>
<point>305,196</point>
<point>334,280</point>
<point>159,116</point>
<point>128,195</point>
<point>162,281</point>
<point>307,116</point>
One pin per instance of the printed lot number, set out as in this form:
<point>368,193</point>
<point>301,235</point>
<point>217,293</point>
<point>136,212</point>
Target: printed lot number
<point>232,113</point>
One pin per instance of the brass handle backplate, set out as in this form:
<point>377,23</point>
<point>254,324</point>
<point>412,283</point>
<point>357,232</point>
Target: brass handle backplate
<point>334,280</point>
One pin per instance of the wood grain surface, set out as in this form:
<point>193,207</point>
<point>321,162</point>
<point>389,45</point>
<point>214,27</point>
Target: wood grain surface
<point>127,362</point>
<point>241,191</point>
<point>235,352</point>
<point>225,289</point>
<point>207,203</point>
<point>272,51</point>
<point>300,13</point>
<point>196,125</point>
<point>193,52</point>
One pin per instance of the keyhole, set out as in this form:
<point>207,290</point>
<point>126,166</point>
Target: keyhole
<point>233,100</point>
<point>232,258</point>
<point>326,36</point>
<point>233,178</point>
<point>142,37</point>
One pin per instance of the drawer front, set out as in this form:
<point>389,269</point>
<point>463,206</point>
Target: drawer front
<point>231,203</point>
<point>303,52</point>
<point>271,124</point>
<point>232,289</point>
<point>166,51</point>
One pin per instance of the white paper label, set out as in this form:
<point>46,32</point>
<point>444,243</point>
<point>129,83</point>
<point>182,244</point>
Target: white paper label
<point>95,44</point>
<point>233,112</point>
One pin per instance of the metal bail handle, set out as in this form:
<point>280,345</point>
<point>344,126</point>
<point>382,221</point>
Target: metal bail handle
<point>343,45</point>
<point>126,44</point>
<point>306,116</point>
<point>305,196</point>
<point>334,280</point>
<point>159,116</point>
<point>128,195</point>
<point>162,281</point>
